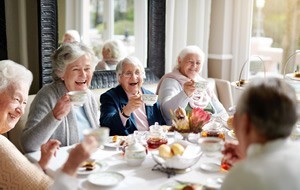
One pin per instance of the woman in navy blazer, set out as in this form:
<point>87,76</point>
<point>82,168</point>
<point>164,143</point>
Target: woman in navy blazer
<point>122,108</point>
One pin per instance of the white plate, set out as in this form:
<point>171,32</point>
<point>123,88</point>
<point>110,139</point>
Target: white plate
<point>231,134</point>
<point>210,167</point>
<point>106,178</point>
<point>112,144</point>
<point>98,167</point>
<point>292,76</point>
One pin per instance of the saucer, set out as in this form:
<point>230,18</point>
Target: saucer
<point>210,167</point>
<point>106,179</point>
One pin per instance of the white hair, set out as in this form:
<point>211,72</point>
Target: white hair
<point>74,34</point>
<point>68,53</point>
<point>116,49</point>
<point>129,60</point>
<point>192,49</point>
<point>11,73</point>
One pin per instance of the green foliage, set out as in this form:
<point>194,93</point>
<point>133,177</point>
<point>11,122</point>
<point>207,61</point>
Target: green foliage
<point>120,27</point>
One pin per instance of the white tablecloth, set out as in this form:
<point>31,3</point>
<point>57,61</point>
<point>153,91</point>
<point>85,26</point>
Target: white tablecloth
<point>140,177</point>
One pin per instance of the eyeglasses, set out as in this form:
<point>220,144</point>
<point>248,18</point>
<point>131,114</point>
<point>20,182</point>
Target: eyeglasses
<point>130,74</point>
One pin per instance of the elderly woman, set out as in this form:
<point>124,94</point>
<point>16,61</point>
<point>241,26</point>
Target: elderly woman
<point>112,52</point>
<point>71,36</point>
<point>122,108</point>
<point>16,172</point>
<point>177,89</point>
<point>52,116</point>
<point>265,116</point>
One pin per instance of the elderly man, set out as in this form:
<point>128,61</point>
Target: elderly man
<point>264,119</point>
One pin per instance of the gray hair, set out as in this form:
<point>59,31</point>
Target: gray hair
<point>11,72</point>
<point>271,106</point>
<point>132,61</point>
<point>116,49</point>
<point>194,50</point>
<point>68,53</point>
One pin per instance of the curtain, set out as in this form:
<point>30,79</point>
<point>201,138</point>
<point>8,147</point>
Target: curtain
<point>187,23</point>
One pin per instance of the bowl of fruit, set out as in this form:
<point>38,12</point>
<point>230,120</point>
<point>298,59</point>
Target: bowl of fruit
<point>179,155</point>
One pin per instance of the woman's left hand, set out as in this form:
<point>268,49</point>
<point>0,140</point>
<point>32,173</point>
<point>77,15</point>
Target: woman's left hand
<point>47,151</point>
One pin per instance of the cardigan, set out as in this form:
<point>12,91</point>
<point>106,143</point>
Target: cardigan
<point>41,124</point>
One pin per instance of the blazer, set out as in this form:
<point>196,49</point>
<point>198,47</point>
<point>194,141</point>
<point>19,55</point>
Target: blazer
<point>112,103</point>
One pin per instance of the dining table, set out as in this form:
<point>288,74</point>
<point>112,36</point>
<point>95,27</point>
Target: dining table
<point>145,176</point>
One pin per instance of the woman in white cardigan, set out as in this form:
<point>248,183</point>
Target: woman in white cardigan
<point>16,172</point>
<point>177,89</point>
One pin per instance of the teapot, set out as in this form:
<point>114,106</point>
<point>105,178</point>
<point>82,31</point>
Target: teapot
<point>213,129</point>
<point>135,152</point>
<point>156,136</point>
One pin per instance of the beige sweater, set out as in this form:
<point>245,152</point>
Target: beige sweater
<point>16,172</point>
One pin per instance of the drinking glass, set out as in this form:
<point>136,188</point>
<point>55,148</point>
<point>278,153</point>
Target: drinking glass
<point>101,134</point>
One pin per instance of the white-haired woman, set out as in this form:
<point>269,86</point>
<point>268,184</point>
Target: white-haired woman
<point>112,52</point>
<point>16,172</point>
<point>177,89</point>
<point>71,36</point>
<point>122,108</point>
<point>51,114</point>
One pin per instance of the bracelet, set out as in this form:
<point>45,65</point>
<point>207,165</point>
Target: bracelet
<point>122,112</point>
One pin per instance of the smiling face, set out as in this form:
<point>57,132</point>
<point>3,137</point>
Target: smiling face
<point>12,106</point>
<point>78,75</point>
<point>131,78</point>
<point>190,65</point>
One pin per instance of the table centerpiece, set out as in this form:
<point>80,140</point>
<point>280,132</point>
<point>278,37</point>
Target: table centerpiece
<point>191,122</point>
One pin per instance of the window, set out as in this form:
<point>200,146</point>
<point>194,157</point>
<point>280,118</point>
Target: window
<point>275,36</point>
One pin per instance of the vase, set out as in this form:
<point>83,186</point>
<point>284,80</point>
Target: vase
<point>185,136</point>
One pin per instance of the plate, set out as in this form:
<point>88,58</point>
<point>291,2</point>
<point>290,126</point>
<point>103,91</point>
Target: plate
<point>231,134</point>
<point>106,178</point>
<point>292,76</point>
<point>210,167</point>
<point>175,185</point>
<point>112,144</point>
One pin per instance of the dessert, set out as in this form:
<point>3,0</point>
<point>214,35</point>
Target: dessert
<point>297,74</point>
<point>229,122</point>
<point>88,165</point>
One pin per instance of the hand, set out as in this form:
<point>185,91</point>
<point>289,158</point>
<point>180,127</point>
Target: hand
<point>134,103</point>
<point>79,154</point>
<point>189,88</point>
<point>48,150</point>
<point>62,107</point>
<point>232,152</point>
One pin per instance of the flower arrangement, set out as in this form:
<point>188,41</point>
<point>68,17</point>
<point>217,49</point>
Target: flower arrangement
<point>191,122</point>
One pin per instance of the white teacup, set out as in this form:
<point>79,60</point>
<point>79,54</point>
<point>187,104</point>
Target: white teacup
<point>77,98</point>
<point>149,99</point>
<point>201,85</point>
<point>211,144</point>
<point>101,134</point>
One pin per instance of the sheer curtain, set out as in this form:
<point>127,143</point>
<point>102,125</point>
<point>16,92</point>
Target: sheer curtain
<point>187,23</point>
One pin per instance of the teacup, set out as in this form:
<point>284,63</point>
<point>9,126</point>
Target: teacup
<point>201,85</point>
<point>149,99</point>
<point>77,98</point>
<point>101,134</point>
<point>211,144</point>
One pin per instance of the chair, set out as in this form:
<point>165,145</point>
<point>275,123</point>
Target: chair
<point>223,91</point>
